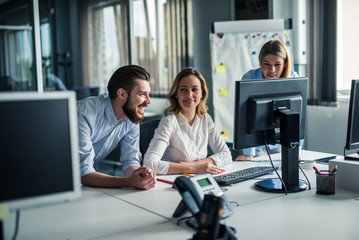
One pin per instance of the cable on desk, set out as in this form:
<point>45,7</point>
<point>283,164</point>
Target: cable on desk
<point>234,203</point>
<point>17,220</point>
<point>188,223</point>
<point>191,225</point>
<point>182,219</point>
<point>271,162</point>
<point>309,186</point>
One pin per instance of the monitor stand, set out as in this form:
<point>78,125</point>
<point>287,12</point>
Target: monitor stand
<point>2,231</point>
<point>289,139</point>
<point>354,156</point>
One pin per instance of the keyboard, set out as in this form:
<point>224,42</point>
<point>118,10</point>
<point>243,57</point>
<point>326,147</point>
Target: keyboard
<point>242,175</point>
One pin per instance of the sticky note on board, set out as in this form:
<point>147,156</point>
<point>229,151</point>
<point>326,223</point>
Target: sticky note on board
<point>220,68</point>
<point>222,92</point>
<point>4,211</point>
<point>224,135</point>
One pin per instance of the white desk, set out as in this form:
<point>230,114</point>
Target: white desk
<point>126,213</point>
<point>95,215</point>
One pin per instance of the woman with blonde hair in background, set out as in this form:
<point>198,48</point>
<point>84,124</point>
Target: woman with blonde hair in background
<point>274,62</point>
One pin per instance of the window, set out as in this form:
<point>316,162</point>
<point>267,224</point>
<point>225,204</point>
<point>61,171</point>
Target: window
<point>334,50</point>
<point>106,42</point>
<point>17,52</point>
<point>155,34</point>
<point>348,50</point>
<point>322,52</point>
<point>19,56</point>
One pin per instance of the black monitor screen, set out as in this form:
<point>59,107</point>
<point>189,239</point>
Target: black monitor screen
<point>353,118</point>
<point>256,119</point>
<point>37,149</point>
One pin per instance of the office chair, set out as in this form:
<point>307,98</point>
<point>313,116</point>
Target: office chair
<point>84,92</point>
<point>111,165</point>
<point>147,129</point>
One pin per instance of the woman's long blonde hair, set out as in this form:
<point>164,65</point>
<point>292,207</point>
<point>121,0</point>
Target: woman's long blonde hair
<point>174,105</point>
<point>277,48</point>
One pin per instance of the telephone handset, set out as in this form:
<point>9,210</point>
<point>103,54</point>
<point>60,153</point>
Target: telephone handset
<point>192,189</point>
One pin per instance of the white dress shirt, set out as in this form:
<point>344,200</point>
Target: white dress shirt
<point>175,140</point>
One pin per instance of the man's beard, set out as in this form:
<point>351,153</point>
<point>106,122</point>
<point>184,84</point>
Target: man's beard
<point>131,112</point>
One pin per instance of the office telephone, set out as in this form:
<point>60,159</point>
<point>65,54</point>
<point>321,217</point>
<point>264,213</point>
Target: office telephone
<point>209,226</point>
<point>192,189</point>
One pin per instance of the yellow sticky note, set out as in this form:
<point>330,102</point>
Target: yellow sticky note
<point>4,211</point>
<point>220,68</point>
<point>222,92</point>
<point>224,135</point>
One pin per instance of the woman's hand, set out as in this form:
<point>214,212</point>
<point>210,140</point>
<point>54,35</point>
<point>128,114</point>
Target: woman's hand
<point>202,167</point>
<point>244,158</point>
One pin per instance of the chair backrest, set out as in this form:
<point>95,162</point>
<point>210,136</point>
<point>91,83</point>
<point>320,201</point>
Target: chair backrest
<point>147,129</point>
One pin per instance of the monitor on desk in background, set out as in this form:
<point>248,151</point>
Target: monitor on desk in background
<point>270,111</point>
<point>39,161</point>
<point>353,122</point>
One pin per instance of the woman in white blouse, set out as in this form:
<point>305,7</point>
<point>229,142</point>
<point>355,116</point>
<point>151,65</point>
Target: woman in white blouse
<point>180,142</point>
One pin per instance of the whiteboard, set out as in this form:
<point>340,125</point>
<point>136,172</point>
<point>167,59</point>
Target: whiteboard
<point>232,55</point>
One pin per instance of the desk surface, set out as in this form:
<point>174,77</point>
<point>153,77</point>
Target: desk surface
<point>124,213</point>
<point>95,215</point>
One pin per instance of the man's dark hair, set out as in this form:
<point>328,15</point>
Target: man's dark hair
<point>125,77</point>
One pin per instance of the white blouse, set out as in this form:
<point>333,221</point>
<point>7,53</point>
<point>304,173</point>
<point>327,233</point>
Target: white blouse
<point>175,140</point>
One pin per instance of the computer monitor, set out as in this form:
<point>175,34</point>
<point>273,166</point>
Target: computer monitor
<point>270,111</point>
<point>39,161</point>
<point>353,122</point>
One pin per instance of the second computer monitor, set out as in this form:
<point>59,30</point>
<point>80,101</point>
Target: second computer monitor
<point>39,149</point>
<point>352,141</point>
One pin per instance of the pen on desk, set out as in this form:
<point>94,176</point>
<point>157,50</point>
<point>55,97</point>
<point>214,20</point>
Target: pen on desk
<point>316,170</point>
<point>189,175</point>
<point>165,181</point>
<point>333,170</point>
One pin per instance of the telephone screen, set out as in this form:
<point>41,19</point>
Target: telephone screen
<point>203,182</point>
